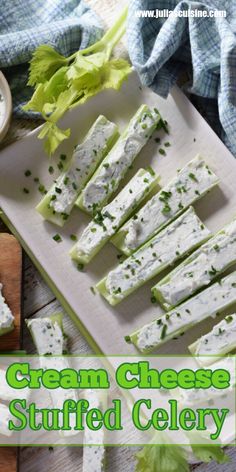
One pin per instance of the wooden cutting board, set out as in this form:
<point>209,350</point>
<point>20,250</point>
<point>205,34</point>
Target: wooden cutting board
<point>10,277</point>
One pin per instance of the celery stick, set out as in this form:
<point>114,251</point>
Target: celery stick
<point>6,316</point>
<point>199,269</point>
<point>108,176</point>
<point>48,334</point>
<point>209,302</point>
<point>218,342</point>
<point>94,449</point>
<point>180,237</point>
<point>190,184</point>
<point>57,204</point>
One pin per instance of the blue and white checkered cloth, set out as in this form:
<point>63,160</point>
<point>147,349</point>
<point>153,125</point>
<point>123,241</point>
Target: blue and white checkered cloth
<point>205,48</point>
<point>25,24</point>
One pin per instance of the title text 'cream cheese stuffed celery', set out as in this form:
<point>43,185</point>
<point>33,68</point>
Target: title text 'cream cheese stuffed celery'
<point>179,238</point>
<point>209,302</point>
<point>190,184</point>
<point>108,220</point>
<point>218,342</point>
<point>94,454</point>
<point>108,176</point>
<point>199,269</point>
<point>6,316</point>
<point>62,82</point>
<point>57,204</point>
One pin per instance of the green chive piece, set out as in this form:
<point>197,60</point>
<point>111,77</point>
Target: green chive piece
<point>162,152</point>
<point>57,238</point>
<point>73,237</point>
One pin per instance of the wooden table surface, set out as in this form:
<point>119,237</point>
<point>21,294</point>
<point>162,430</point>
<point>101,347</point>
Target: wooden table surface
<point>40,301</point>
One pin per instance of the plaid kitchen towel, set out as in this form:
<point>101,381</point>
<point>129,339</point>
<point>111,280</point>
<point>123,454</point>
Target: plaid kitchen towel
<point>162,49</point>
<point>25,24</point>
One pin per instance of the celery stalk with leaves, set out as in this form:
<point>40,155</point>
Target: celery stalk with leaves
<point>160,455</point>
<point>64,82</point>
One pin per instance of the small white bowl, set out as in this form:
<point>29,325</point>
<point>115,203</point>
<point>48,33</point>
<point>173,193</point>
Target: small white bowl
<point>5,106</point>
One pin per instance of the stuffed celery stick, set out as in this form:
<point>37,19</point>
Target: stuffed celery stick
<point>193,396</point>
<point>179,238</point>
<point>108,176</point>
<point>49,339</point>
<point>107,221</point>
<point>209,302</point>
<point>48,334</point>
<point>6,316</point>
<point>190,184</point>
<point>219,341</point>
<point>199,269</point>
<point>57,204</point>
<point>94,449</point>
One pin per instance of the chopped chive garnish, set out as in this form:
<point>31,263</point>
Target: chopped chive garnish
<point>157,140</point>
<point>167,144</point>
<point>25,190</point>
<point>73,237</point>
<point>27,173</point>
<point>93,290</point>
<point>57,189</point>
<point>80,266</point>
<point>128,339</point>
<point>60,166</point>
<point>153,299</point>
<point>162,152</point>
<point>166,209</point>
<point>63,157</point>
<point>36,180</point>
<point>50,170</point>
<point>57,238</point>
<point>42,189</point>
<point>151,171</point>
<point>193,177</point>
<point>163,331</point>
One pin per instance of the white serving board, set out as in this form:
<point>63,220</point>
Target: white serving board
<point>189,135</point>
<point>108,325</point>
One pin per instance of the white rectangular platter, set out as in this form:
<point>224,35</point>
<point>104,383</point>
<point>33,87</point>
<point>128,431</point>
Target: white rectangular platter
<point>105,326</point>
